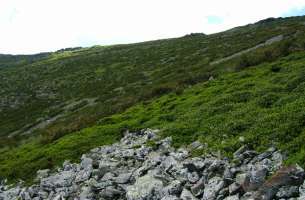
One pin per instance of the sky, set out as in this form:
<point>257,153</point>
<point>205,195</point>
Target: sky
<point>32,26</point>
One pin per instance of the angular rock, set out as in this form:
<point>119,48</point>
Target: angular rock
<point>146,187</point>
<point>170,197</point>
<point>195,145</point>
<point>123,178</point>
<point>174,188</point>
<point>198,188</point>
<point>286,176</point>
<point>235,197</point>
<point>187,195</point>
<point>42,174</point>
<point>235,188</point>
<point>63,179</point>
<point>213,187</point>
<point>287,192</point>
<point>110,193</point>
<point>193,177</point>
<point>86,163</point>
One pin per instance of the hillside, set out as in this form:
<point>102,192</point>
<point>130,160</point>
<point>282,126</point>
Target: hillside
<point>241,86</point>
<point>72,88</point>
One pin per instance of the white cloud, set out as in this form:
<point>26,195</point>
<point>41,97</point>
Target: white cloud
<point>45,25</point>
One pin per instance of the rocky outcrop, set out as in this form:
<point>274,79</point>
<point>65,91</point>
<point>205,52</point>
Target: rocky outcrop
<point>132,170</point>
<point>266,43</point>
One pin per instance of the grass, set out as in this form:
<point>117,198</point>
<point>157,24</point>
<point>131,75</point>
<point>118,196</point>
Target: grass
<point>264,104</point>
<point>34,88</point>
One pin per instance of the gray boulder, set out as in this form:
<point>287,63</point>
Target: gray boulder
<point>286,176</point>
<point>146,187</point>
<point>287,192</point>
<point>62,179</point>
<point>187,195</point>
<point>213,187</point>
<point>198,188</point>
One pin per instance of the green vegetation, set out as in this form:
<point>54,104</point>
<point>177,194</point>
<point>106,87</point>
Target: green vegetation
<point>264,106</point>
<point>86,97</point>
<point>119,76</point>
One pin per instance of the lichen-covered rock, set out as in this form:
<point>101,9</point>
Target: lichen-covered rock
<point>187,195</point>
<point>286,176</point>
<point>146,187</point>
<point>287,192</point>
<point>213,187</point>
<point>198,188</point>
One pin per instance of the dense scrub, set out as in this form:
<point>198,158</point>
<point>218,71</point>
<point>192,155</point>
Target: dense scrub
<point>36,88</point>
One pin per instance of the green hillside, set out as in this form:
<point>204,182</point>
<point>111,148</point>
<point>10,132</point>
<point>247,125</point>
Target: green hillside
<point>246,84</point>
<point>73,88</point>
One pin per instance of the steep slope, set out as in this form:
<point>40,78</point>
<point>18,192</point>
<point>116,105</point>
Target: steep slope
<point>244,85</point>
<point>73,88</point>
<point>260,106</point>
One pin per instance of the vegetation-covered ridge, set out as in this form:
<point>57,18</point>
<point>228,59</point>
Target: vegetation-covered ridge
<point>263,105</point>
<point>59,93</point>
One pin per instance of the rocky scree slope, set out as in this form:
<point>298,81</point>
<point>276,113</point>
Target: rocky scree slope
<point>142,167</point>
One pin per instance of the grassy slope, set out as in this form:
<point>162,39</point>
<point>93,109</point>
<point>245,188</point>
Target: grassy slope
<point>264,104</point>
<point>118,76</point>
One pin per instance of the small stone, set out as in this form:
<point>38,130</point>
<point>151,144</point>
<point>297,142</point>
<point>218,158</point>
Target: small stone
<point>287,192</point>
<point>86,163</point>
<point>213,187</point>
<point>235,188</point>
<point>111,193</point>
<point>241,178</point>
<point>174,188</point>
<point>241,150</point>
<point>195,145</point>
<point>198,188</point>
<point>187,195</point>
<point>235,197</point>
<point>193,177</point>
<point>42,173</point>
<point>168,163</point>
<point>170,197</point>
<point>241,139</point>
<point>123,178</point>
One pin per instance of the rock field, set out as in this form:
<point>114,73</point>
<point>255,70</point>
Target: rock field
<point>143,167</point>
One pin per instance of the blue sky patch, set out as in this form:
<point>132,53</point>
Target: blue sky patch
<point>214,20</point>
<point>294,12</point>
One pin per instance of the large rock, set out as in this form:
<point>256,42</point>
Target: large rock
<point>286,176</point>
<point>198,188</point>
<point>123,178</point>
<point>63,179</point>
<point>287,192</point>
<point>86,163</point>
<point>255,178</point>
<point>146,187</point>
